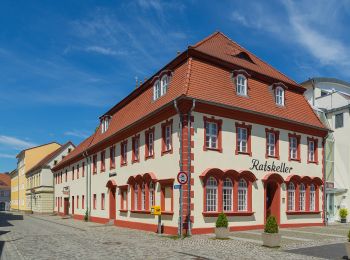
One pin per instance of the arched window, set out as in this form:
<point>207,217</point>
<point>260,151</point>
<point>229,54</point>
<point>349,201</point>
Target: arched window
<point>136,196</point>
<point>143,196</point>
<point>312,197</point>
<point>241,85</point>
<point>291,196</point>
<point>279,96</point>
<point>227,195</point>
<point>242,195</point>
<point>156,90</point>
<point>164,84</point>
<point>302,197</point>
<point>151,194</point>
<point>211,194</point>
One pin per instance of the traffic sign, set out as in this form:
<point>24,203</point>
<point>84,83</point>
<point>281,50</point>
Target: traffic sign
<point>182,177</point>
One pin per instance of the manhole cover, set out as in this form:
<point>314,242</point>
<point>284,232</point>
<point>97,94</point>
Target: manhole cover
<point>112,243</point>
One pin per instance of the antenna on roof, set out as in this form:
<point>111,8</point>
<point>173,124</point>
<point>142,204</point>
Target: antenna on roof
<point>136,82</point>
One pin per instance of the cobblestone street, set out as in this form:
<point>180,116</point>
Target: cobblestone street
<point>51,237</point>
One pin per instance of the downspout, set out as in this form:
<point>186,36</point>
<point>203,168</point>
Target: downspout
<point>179,230</point>
<point>87,200</point>
<point>325,181</point>
<point>313,91</point>
<point>189,227</point>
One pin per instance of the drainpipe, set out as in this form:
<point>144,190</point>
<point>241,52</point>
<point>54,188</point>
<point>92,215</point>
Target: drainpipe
<point>313,91</point>
<point>179,229</point>
<point>87,199</point>
<point>189,227</point>
<point>325,181</point>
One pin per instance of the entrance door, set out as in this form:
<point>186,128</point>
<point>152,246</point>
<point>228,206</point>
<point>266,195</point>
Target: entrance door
<point>66,206</point>
<point>330,207</point>
<point>112,203</point>
<point>273,200</point>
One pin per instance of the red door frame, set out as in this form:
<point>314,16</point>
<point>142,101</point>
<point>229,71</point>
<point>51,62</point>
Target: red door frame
<point>66,206</point>
<point>112,206</point>
<point>278,180</point>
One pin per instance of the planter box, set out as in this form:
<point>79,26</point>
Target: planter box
<point>222,232</point>
<point>347,248</point>
<point>271,239</point>
<point>343,220</point>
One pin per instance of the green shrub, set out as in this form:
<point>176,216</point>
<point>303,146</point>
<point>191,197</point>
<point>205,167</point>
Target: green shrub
<point>349,236</point>
<point>271,225</point>
<point>86,217</point>
<point>222,221</point>
<point>343,213</point>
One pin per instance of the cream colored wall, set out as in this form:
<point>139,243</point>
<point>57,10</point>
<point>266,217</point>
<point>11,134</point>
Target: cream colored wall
<point>228,160</point>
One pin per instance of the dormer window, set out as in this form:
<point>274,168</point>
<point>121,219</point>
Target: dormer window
<point>279,96</point>
<point>160,87</point>
<point>105,123</point>
<point>241,85</point>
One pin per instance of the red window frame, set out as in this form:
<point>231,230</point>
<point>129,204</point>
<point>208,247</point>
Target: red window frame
<point>167,183</point>
<point>77,201</point>
<point>249,138</point>
<point>147,144</point>
<point>132,188</point>
<point>315,140</point>
<point>78,171</point>
<point>123,199</point>
<point>82,201</point>
<point>66,176</point>
<point>164,126</point>
<point>298,159</point>
<point>135,139</point>
<point>220,182</point>
<point>218,122</point>
<point>277,140</point>
<point>124,153</point>
<point>112,157</point>
<point>73,173</point>
<point>103,161</point>
<point>94,164</point>
<point>94,201</point>
<point>102,201</point>
<point>83,170</point>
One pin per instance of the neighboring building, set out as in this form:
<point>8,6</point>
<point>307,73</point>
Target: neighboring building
<point>5,191</point>
<point>242,131</point>
<point>40,185</point>
<point>26,159</point>
<point>331,98</point>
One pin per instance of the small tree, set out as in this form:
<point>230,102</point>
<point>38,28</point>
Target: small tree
<point>343,213</point>
<point>86,217</point>
<point>271,225</point>
<point>222,221</point>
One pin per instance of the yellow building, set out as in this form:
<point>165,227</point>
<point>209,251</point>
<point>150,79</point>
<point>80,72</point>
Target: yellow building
<point>26,159</point>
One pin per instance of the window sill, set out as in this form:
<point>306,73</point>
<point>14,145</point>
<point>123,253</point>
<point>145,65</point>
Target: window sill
<point>235,213</point>
<point>244,153</point>
<point>212,149</point>
<point>123,164</point>
<point>140,211</point>
<point>112,168</point>
<point>123,210</point>
<point>167,152</point>
<point>302,212</point>
<point>295,160</point>
<point>135,161</point>
<point>149,157</point>
<point>313,162</point>
<point>167,213</point>
<point>272,157</point>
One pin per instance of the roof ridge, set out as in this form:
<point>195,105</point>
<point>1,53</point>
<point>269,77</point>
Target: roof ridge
<point>205,39</point>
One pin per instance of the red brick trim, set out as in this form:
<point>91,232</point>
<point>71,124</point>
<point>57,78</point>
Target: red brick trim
<point>164,125</point>
<point>302,212</point>
<point>94,164</point>
<point>112,157</point>
<point>135,139</point>
<point>147,133</point>
<point>237,213</point>
<point>145,226</point>
<point>99,220</point>
<point>298,159</point>
<point>103,161</point>
<point>249,138</point>
<point>218,122</point>
<point>277,140</point>
<point>315,140</point>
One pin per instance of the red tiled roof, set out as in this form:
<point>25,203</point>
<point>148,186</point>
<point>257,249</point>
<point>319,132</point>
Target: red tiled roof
<point>49,157</point>
<point>193,78</point>
<point>5,180</point>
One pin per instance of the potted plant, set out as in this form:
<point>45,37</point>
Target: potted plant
<point>271,237</point>
<point>86,217</point>
<point>347,246</point>
<point>343,213</point>
<point>221,227</point>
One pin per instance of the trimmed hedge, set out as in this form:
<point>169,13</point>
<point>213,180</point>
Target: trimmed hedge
<point>343,213</point>
<point>222,221</point>
<point>271,225</point>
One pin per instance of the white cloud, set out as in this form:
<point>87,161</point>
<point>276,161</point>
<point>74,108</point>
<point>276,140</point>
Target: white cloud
<point>15,143</point>
<point>7,156</point>
<point>78,133</point>
<point>105,51</point>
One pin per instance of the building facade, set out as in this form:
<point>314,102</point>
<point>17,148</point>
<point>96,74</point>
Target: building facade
<point>331,99</point>
<point>5,191</point>
<point>244,134</point>
<point>40,182</point>
<point>26,159</point>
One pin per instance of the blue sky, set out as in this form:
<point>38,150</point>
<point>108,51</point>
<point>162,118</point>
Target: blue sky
<point>64,63</point>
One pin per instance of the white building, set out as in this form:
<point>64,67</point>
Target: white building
<point>40,181</point>
<point>331,98</point>
<point>243,132</point>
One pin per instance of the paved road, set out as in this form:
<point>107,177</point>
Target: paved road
<point>51,237</point>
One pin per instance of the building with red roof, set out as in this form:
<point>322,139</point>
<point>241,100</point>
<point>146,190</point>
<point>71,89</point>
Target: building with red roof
<point>240,130</point>
<point>5,191</point>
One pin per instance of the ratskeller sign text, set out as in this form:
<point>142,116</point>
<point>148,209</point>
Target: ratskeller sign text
<point>270,167</point>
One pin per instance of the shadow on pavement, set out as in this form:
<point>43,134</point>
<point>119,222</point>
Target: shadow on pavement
<point>6,217</point>
<point>332,251</point>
